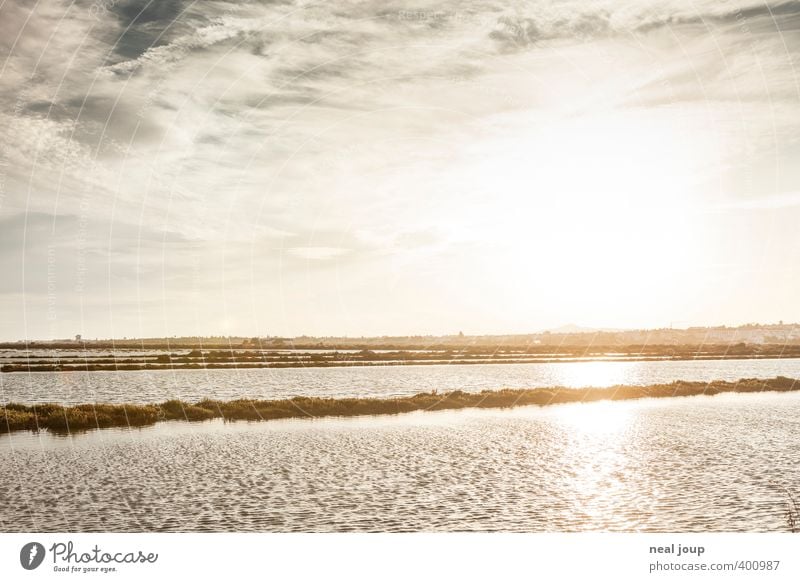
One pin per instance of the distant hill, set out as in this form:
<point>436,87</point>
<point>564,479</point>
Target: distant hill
<point>572,328</point>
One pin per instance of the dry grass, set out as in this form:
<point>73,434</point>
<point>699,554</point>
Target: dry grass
<point>64,419</point>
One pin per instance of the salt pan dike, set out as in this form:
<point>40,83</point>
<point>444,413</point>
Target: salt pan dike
<point>152,387</point>
<point>57,418</point>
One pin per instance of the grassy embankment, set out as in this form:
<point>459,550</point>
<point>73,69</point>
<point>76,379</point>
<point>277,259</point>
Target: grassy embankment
<point>89,358</point>
<point>64,419</point>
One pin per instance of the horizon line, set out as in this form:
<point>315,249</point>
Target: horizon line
<point>569,329</point>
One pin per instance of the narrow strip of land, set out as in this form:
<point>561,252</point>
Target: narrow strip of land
<point>64,419</point>
<point>299,363</point>
<point>117,360</point>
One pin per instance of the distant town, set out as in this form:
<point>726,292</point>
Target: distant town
<point>754,334</point>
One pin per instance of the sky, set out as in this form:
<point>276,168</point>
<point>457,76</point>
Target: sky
<point>394,168</point>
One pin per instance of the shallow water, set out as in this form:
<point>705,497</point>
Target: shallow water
<point>376,381</point>
<point>679,464</point>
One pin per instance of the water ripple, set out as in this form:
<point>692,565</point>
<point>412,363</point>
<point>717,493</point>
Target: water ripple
<point>684,464</point>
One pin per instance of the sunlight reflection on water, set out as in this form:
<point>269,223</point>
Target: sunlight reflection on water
<point>704,463</point>
<point>596,417</point>
<point>602,374</point>
<point>377,381</point>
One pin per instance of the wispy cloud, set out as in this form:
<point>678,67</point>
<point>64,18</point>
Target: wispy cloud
<point>235,136</point>
<point>784,200</point>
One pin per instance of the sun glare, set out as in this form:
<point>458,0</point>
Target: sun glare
<point>594,418</point>
<point>601,205</point>
<point>596,374</point>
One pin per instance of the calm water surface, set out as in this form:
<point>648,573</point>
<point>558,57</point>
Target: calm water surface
<point>680,464</point>
<point>377,381</point>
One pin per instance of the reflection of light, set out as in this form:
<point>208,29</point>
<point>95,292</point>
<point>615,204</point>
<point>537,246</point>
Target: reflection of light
<point>598,439</point>
<point>594,417</point>
<point>599,374</point>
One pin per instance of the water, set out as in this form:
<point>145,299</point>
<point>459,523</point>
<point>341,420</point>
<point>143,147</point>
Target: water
<point>680,464</point>
<point>376,381</point>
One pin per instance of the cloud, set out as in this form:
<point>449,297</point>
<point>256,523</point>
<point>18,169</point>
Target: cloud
<point>783,200</point>
<point>517,33</point>
<point>251,134</point>
<point>144,24</point>
<point>318,253</point>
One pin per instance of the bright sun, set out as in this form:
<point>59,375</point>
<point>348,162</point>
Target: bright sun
<point>600,204</point>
